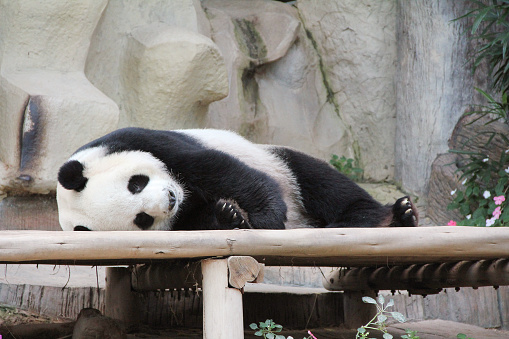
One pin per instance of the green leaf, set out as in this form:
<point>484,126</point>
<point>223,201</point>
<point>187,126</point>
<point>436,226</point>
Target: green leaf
<point>361,330</point>
<point>369,300</point>
<point>253,326</point>
<point>398,316</point>
<point>259,333</point>
<point>390,303</point>
<point>381,318</point>
<point>280,336</point>
<point>461,336</point>
<point>387,336</point>
<point>270,335</point>
<point>380,299</point>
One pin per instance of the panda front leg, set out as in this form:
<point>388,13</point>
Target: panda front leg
<point>230,216</point>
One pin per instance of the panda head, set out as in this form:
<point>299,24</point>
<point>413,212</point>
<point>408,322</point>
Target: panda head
<point>131,190</point>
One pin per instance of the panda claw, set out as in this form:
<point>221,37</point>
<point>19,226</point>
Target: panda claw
<point>224,206</point>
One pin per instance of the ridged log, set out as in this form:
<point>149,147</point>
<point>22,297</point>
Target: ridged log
<point>421,279</point>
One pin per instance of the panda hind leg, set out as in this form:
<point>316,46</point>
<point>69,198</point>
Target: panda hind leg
<point>230,216</point>
<point>401,214</point>
<point>404,213</point>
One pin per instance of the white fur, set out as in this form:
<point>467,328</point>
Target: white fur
<point>107,204</point>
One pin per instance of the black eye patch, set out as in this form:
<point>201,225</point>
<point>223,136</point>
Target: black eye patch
<point>143,220</point>
<point>81,228</point>
<point>137,183</point>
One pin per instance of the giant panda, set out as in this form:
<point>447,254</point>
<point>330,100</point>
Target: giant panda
<point>206,179</point>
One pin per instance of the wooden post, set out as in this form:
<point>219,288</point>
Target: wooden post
<point>357,313</point>
<point>222,305</point>
<point>120,301</point>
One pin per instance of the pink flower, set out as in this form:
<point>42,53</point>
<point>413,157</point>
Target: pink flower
<point>311,334</point>
<point>452,223</point>
<point>497,212</point>
<point>499,200</point>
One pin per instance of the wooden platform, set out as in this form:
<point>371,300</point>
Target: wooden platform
<point>218,251</point>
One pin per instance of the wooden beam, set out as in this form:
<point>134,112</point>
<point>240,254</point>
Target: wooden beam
<point>320,247</point>
<point>171,275</point>
<point>186,274</point>
<point>421,279</point>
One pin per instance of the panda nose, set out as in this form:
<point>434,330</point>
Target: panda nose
<point>81,228</point>
<point>173,200</point>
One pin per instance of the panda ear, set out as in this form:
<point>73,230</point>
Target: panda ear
<point>70,176</point>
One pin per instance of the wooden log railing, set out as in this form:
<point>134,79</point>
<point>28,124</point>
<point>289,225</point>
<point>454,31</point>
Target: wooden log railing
<point>300,247</point>
<point>221,252</point>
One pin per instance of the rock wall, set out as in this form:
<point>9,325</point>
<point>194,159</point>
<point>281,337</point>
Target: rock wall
<point>434,85</point>
<point>356,41</point>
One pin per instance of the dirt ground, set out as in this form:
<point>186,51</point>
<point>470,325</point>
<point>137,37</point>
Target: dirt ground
<point>21,324</point>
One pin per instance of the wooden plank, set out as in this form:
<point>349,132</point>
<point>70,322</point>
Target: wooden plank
<point>315,247</point>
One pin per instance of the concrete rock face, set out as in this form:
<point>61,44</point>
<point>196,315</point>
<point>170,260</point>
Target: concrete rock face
<point>357,44</point>
<point>277,92</point>
<point>162,69</point>
<point>48,106</point>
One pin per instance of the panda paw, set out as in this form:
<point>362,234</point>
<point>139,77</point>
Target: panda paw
<point>404,213</point>
<point>229,215</point>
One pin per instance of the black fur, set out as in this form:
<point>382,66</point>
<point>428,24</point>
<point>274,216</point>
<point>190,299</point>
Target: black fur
<point>70,176</point>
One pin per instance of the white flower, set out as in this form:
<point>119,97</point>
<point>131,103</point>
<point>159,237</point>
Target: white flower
<point>453,192</point>
<point>507,170</point>
<point>486,194</point>
<point>485,159</point>
<point>469,216</point>
<point>464,182</point>
<point>490,222</point>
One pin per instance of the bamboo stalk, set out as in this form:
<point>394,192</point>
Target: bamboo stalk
<point>325,247</point>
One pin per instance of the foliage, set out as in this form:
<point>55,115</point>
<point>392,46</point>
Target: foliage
<point>489,26</point>
<point>410,335</point>
<point>485,180</point>
<point>379,320</point>
<point>463,336</point>
<point>267,329</point>
<point>347,166</point>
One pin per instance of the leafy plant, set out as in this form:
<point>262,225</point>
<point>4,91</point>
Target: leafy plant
<point>410,335</point>
<point>489,26</point>
<point>379,320</point>
<point>347,166</point>
<point>463,336</point>
<point>485,180</point>
<point>267,329</point>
